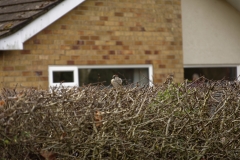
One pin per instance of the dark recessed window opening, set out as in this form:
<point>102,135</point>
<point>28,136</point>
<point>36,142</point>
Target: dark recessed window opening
<point>62,76</point>
<point>128,75</point>
<point>212,73</point>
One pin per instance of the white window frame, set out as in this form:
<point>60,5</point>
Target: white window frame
<point>238,72</point>
<point>75,68</point>
<point>52,69</point>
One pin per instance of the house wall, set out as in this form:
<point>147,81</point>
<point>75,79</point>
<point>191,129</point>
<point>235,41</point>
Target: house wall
<point>100,33</point>
<point>211,33</point>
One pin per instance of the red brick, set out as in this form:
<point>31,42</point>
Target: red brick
<point>133,29</point>
<point>83,7</point>
<point>47,31</point>
<point>147,52</point>
<point>173,43</point>
<point>171,57</point>
<point>138,15</point>
<point>119,43</point>
<point>119,52</point>
<point>26,52</point>
<point>94,37</point>
<point>161,29</point>
<point>95,47</point>
<point>63,27</point>
<point>37,62</point>
<point>162,66</point>
<point>103,18</point>
<point>79,12</point>
<point>98,3</point>
<point>138,24</point>
<point>97,23</point>
<point>165,43</point>
<point>8,68</point>
<point>126,47</point>
<point>27,73</point>
<point>86,47</point>
<point>148,61</point>
<point>168,2</point>
<point>36,41</point>
<point>169,20</point>
<point>75,47</point>
<point>31,79</point>
<point>43,78</point>
<point>38,73</point>
<point>114,37</point>
<point>170,48</point>
<point>75,57</point>
<point>105,57</point>
<point>91,62</point>
<point>121,24</point>
<point>70,62</point>
<point>179,16</point>
<point>142,29</point>
<point>65,47</point>
<point>126,57</point>
<point>81,32</point>
<point>90,42</point>
<point>118,14</point>
<point>80,42</point>
<point>84,37</point>
<point>111,52</point>
<point>105,47</point>
<point>110,32</point>
<point>138,43</point>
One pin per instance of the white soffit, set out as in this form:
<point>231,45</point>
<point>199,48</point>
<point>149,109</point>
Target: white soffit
<point>15,41</point>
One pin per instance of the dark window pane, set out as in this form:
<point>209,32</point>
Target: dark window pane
<point>128,75</point>
<point>212,73</point>
<point>62,76</point>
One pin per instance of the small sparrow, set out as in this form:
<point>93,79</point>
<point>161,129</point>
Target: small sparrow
<point>169,79</point>
<point>116,81</point>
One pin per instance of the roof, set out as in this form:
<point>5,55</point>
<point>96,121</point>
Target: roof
<point>15,14</point>
<point>22,19</point>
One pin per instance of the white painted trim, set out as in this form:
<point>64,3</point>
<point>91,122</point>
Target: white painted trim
<point>15,41</point>
<point>75,68</point>
<point>63,68</point>
<point>238,73</point>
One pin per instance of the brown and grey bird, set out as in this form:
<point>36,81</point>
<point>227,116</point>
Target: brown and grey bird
<point>169,79</point>
<point>116,81</point>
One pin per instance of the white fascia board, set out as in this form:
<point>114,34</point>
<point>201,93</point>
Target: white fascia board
<point>15,41</point>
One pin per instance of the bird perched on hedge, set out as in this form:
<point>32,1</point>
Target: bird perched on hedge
<point>116,81</point>
<point>169,79</point>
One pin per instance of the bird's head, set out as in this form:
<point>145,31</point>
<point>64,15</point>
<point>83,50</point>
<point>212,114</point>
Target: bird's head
<point>114,76</point>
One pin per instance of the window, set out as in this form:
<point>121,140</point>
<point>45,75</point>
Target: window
<point>93,74</point>
<point>212,72</point>
<point>68,76</point>
<point>62,76</point>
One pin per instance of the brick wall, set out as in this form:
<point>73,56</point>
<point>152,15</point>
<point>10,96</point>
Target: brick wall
<point>102,32</point>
